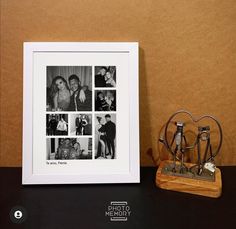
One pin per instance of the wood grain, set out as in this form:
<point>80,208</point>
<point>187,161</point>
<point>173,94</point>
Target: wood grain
<point>187,185</point>
<point>187,60</point>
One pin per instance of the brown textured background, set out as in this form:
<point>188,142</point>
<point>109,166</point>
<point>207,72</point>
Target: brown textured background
<point>187,59</point>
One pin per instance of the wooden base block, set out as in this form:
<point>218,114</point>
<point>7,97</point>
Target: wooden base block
<point>189,185</point>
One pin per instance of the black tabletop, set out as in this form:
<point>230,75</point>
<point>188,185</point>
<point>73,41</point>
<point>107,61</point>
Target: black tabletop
<point>92,206</point>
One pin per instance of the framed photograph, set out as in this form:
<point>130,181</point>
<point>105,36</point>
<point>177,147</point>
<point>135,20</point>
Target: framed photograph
<point>81,113</point>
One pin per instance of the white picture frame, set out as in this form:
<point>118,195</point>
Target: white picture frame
<point>38,167</point>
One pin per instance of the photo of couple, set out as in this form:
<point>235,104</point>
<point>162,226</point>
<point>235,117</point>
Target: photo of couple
<point>105,100</point>
<point>69,88</point>
<point>105,136</point>
<point>105,76</point>
<point>69,148</point>
<point>56,124</point>
<point>80,124</point>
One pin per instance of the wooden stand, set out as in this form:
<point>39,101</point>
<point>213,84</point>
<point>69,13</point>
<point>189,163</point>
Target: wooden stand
<point>189,185</point>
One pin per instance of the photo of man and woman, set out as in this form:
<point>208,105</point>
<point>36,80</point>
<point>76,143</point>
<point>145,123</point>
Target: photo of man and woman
<point>80,124</point>
<point>69,88</point>
<point>105,76</point>
<point>105,136</point>
<point>69,148</point>
<point>72,98</point>
<point>105,100</point>
<point>56,124</point>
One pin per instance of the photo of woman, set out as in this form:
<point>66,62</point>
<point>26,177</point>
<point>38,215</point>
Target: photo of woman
<point>110,82</point>
<point>60,93</point>
<point>62,127</point>
<point>101,139</point>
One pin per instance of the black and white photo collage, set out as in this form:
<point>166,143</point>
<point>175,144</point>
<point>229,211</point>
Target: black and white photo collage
<point>81,112</point>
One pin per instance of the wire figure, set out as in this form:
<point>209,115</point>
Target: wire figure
<point>203,136</point>
<point>179,138</point>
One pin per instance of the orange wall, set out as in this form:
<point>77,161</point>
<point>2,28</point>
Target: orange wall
<point>187,59</point>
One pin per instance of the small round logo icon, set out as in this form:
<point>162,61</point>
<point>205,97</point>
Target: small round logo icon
<point>18,214</point>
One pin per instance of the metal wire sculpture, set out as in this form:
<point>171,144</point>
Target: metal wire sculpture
<point>182,146</point>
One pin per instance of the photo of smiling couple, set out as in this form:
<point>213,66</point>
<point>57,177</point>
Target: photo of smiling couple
<point>69,88</point>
